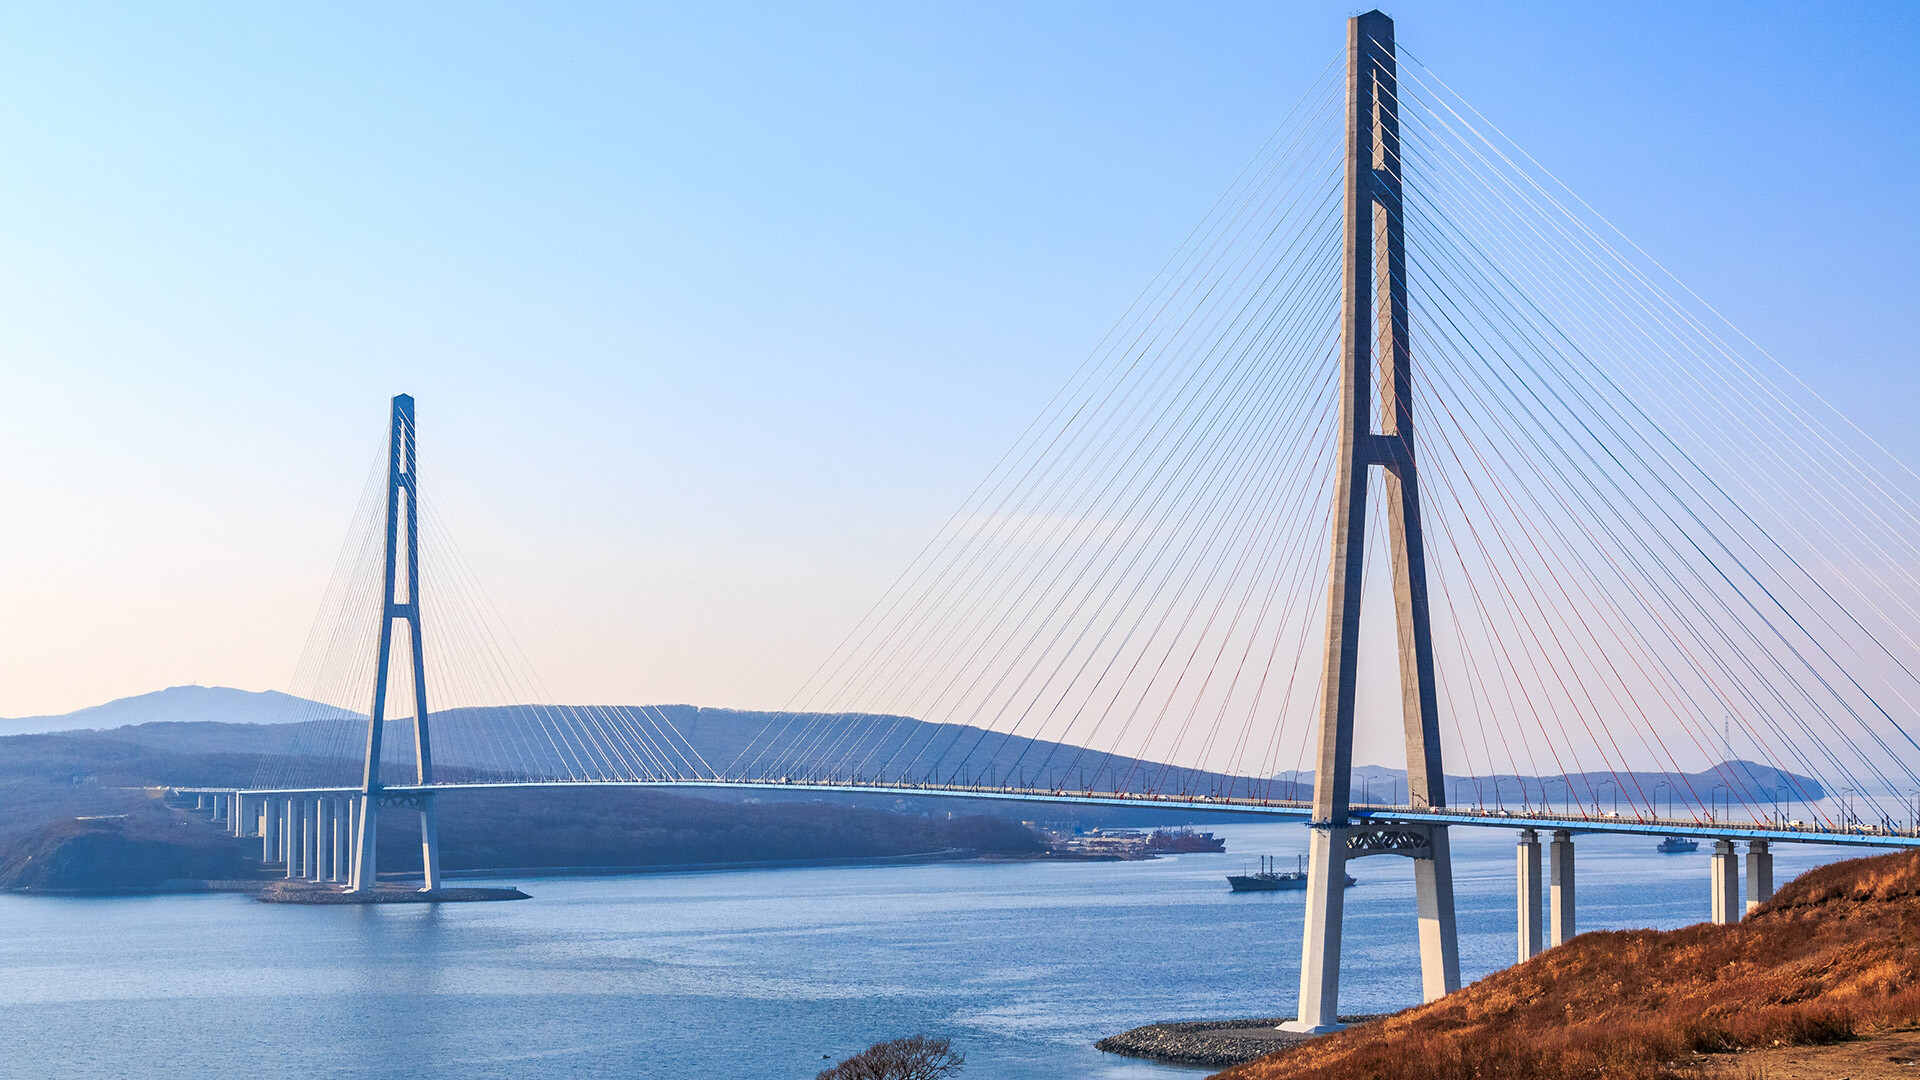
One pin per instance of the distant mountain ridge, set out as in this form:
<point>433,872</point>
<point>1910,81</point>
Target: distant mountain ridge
<point>1731,782</point>
<point>217,719</point>
<point>178,704</point>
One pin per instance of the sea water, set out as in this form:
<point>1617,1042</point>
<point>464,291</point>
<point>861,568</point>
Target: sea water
<point>756,974</point>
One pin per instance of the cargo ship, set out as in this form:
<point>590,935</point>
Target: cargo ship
<point>1182,842</point>
<point>1270,879</point>
<point>1675,845</point>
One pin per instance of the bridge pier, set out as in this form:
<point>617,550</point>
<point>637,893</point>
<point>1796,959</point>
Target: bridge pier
<point>1759,874</point>
<point>322,829</point>
<point>303,842</point>
<point>289,836</point>
<point>269,829</point>
<point>1725,875</point>
<point>429,844</point>
<point>1530,895</point>
<point>306,837</point>
<point>342,827</point>
<point>1433,901</point>
<point>296,837</point>
<point>366,871</point>
<point>1329,849</point>
<point>1560,872</point>
<point>1326,906</point>
<point>317,865</point>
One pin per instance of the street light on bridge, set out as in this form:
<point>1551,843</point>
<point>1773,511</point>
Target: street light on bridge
<point>1563,782</point>
<point>1714,801</point>
<point>1616,795</point>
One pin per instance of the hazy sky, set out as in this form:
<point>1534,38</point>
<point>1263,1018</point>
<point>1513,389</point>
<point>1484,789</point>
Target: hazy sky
<point>714,313</point>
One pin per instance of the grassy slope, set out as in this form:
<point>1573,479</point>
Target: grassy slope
<point>1837,951</point>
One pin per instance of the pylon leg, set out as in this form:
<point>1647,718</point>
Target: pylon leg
<point>1439,942</point>
<point>429,844</point>
<point>365,868</point>
<point>1320,953</point>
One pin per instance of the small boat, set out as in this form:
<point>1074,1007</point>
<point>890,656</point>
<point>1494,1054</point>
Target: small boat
<point>1270,879</point>
<point>1677,845</point>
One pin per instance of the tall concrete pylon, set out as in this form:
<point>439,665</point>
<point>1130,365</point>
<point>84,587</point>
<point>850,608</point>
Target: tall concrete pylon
<point>1374,314</point>
<point>400,601</point>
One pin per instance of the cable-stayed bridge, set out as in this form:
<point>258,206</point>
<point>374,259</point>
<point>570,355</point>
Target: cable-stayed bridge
<point>1405,438</point>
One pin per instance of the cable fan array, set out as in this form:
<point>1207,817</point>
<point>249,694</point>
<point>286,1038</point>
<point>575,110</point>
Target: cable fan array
<point>1649,552</point>
<point>1138,581</point>
<point>1650,549</point>
<point>490,717</point>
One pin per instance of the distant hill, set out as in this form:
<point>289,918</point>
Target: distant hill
<point>181,704</point>
<point>594,742</point>
<point>1736,784</point>
<point>305,742</point>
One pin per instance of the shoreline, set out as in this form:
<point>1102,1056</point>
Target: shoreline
<point>188,886</point>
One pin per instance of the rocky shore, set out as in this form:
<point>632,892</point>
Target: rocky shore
<point>1213,1043</point>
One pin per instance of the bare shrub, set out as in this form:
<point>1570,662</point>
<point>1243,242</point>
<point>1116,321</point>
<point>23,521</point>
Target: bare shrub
<point>915,1057</point>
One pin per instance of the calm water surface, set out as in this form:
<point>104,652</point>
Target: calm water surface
<point>750,975</point>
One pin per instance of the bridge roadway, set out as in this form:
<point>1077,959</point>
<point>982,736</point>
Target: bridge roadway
<point>1548,820</point>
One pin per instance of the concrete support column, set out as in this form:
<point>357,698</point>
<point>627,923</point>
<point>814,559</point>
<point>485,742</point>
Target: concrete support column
<point>313,838</point>
<point>306,836</point>
<point>1560,875</point>
<point>1433,897</point>
<point>1726,883</point>
<point>348,841</point>
<point>296,837</point>
<point>289,836</point>
<point>1531,938</point>
<point>322,838</point>
<point>1759,874</point>
<point>269,830</point>
<point>430,850</point>
<point>202,804</point>
<point>366,872</point>
<point>237,815</point>
<point>1326,905</point>
<point>336,836</point>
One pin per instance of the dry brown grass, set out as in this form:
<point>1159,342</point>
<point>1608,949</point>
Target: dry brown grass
<point>1836,953</point>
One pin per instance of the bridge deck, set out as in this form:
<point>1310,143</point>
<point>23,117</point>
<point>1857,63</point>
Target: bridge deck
<point>1290,809</point>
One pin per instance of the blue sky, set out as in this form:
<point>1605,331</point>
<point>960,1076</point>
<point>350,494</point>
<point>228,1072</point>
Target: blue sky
<point>715,312</point>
